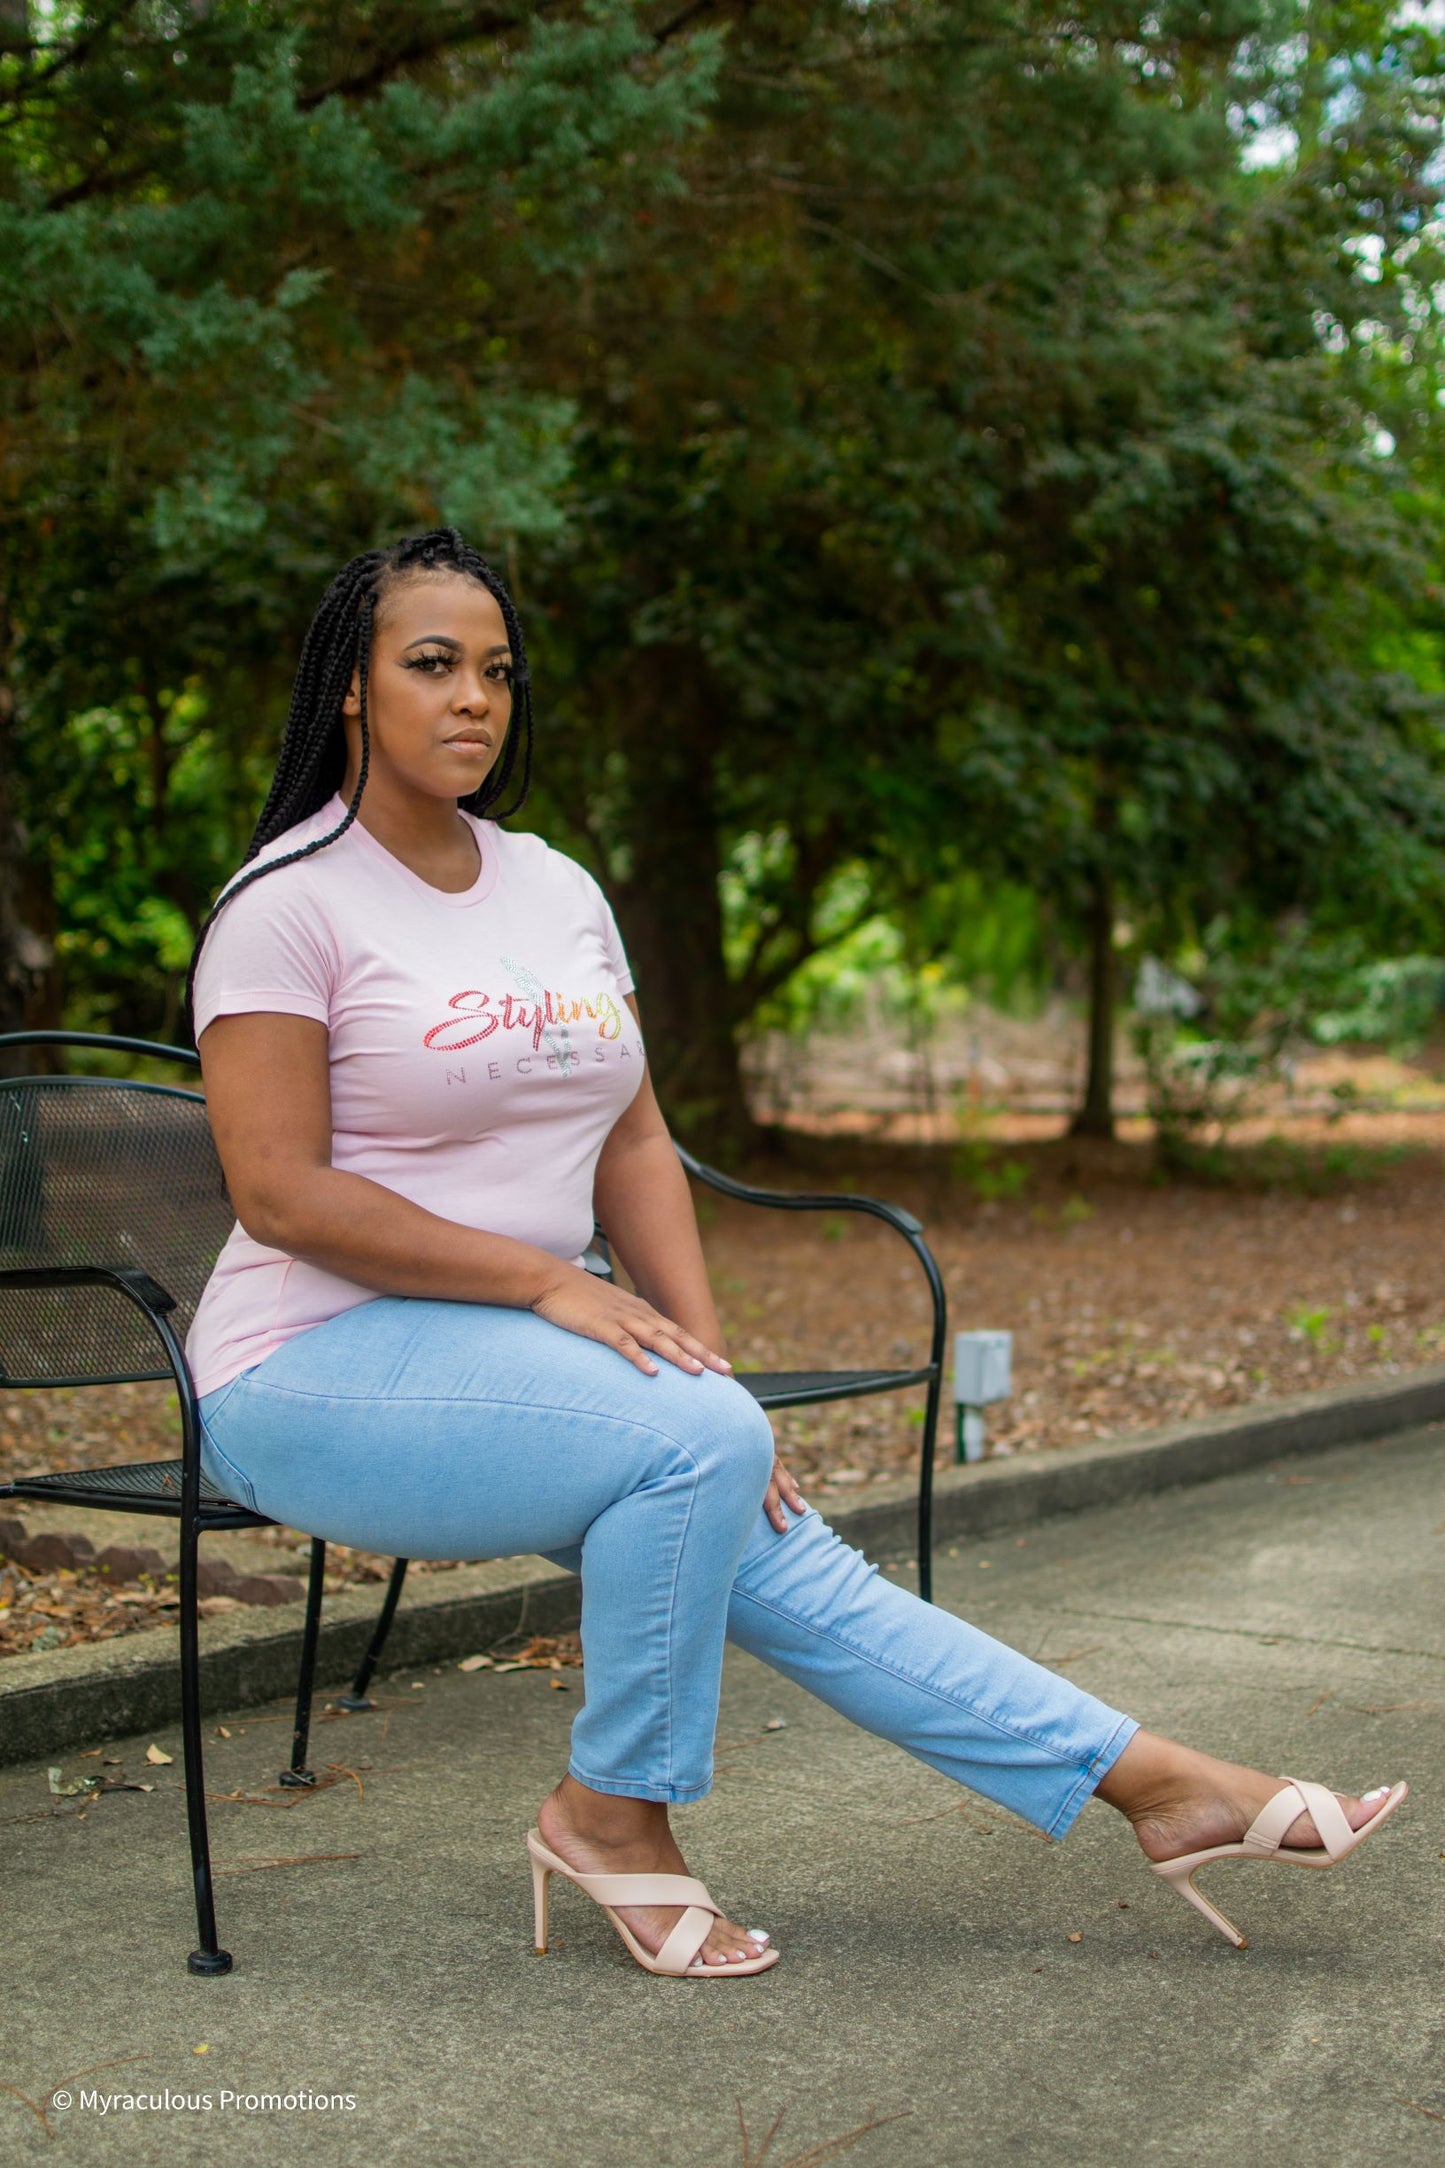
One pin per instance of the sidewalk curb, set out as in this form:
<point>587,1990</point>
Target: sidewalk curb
<point>66,1697</point>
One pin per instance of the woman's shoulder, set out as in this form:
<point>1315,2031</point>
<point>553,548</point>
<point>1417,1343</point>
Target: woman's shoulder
<point>526,856</point>
<point>275,855</point>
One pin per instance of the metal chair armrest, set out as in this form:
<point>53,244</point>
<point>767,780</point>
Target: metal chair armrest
<point>787,1200</point>
<point>103,1042</point>
<point>147,1294</point>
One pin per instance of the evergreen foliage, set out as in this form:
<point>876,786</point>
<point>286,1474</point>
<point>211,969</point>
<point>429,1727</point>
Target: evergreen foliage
<point>939,453</point>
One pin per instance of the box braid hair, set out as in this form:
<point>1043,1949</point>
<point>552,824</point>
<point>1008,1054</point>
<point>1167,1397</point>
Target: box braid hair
<point>337,648</point>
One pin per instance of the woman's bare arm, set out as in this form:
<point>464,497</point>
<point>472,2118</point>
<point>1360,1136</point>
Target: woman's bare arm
<point>645,1208</point>
<point>269,1100</point>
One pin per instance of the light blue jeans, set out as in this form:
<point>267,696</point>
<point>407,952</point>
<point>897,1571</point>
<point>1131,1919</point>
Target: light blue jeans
<point>451,1430</point>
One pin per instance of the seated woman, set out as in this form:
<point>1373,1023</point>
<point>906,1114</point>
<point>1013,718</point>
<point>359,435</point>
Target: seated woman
<point>424,1069</point>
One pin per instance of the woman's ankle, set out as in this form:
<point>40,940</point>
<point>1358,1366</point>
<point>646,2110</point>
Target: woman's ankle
<point>1150,1776</point>
<point>606,1818</point>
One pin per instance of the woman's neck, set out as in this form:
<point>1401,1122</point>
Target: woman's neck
<point>428,835</point>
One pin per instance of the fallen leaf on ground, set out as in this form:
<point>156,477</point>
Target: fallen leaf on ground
<point>1076,1938</point>
<point>475,1663</point>
<point>158,1758</point>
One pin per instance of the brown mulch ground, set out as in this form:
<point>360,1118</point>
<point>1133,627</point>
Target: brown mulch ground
<point>1132,1302</point>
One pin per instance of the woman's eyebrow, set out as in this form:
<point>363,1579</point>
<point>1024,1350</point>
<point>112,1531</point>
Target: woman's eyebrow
<point>444,639</point>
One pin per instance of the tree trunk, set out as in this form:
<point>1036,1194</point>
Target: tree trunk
<point>28,990</point>
<point>668,907</point>
<point>1095,1117</point>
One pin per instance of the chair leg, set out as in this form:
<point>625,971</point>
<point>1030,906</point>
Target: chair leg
<point>298,1777</point>
<point>209,1959</point>
<point>358,1699</point>
<point>925,1486</point>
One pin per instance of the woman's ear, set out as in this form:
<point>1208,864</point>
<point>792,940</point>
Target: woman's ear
<point>351,705</point>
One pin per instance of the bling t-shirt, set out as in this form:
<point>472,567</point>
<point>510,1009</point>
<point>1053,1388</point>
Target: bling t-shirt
<point>480,1050</point>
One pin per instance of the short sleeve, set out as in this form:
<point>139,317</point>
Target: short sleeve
<point>611,938</point>
<point>270,951</point>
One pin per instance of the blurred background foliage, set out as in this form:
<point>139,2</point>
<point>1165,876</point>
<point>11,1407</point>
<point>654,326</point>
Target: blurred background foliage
<point>972,477</point>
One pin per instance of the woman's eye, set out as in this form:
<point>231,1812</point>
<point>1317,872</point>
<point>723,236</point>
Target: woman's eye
<point>499,673</point>
<point>429,663</point>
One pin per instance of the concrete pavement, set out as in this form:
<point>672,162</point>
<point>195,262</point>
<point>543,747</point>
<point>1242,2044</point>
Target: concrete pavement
<point>1292,1616</point>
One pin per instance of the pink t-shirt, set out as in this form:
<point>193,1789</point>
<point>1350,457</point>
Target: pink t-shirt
<point>480,1051</point>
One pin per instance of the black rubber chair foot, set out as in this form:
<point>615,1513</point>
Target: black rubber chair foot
<point>297,1780</point>
<point>355,1704</point>
<point>210,1964</point>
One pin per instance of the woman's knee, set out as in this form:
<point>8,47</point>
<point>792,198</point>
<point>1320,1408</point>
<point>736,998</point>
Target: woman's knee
<point>740,1435</point>
<point>752,1438</point>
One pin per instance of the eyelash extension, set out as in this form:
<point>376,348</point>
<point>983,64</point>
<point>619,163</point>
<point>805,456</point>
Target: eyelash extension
<point>501,672</point>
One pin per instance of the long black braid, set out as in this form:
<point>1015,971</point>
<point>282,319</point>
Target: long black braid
<point>337,647</point>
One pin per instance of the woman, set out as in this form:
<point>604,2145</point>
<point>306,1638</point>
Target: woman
<point>424,1069</point>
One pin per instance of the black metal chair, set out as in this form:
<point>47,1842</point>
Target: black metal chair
<point>113,1207</point>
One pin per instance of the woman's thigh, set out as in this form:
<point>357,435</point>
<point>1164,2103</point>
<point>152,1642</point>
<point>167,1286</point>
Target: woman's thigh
<point>456,1430</point>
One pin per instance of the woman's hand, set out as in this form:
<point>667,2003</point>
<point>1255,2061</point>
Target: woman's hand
<point>782,1490</point>
<point>595,1309</point>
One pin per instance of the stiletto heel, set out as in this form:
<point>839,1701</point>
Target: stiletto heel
<point>1264,1839</point>
<point>678,1958</point>
<point>1190,1891</point>
<point>541,1896</point>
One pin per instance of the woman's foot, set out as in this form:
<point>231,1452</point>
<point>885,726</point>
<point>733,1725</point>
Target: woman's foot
<point>598,1833</point>
<point>1179,1801</point>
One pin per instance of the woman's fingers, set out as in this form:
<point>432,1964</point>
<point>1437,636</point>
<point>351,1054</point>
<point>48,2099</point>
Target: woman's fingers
<point>782,1489</point>
<point>635,1353</point>
<point>625,1322</point>
<point>669,1339</point>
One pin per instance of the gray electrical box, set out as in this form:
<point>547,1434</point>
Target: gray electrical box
<point>982,1368</point>
<point>982,1374</point>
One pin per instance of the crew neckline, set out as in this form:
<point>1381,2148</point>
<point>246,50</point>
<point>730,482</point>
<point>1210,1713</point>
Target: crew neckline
<point>460,899</point>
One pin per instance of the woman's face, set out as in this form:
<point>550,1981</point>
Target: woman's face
<point>439,697</point>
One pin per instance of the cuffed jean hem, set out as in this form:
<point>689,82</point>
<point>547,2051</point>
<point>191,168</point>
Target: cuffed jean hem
<point>1091,1779</point>
<point>980,1713</point>
<point>662,1795</point>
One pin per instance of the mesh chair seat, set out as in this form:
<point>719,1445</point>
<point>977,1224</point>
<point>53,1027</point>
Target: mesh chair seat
<point>143,1486</point>
<point>800,1388</point>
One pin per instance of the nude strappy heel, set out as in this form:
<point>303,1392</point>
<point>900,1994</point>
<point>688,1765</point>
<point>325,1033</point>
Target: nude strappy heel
<point>1264,1839</point>
<point>676,1959</point>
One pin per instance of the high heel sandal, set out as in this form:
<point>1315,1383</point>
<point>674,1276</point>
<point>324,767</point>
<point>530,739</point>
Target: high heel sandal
<point>1264,1839</point>
<point>676,1959</point>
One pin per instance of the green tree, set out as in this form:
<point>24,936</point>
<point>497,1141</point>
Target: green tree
<point>920,444</point>
<point>269,278</point>
<point>1056,557</point>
